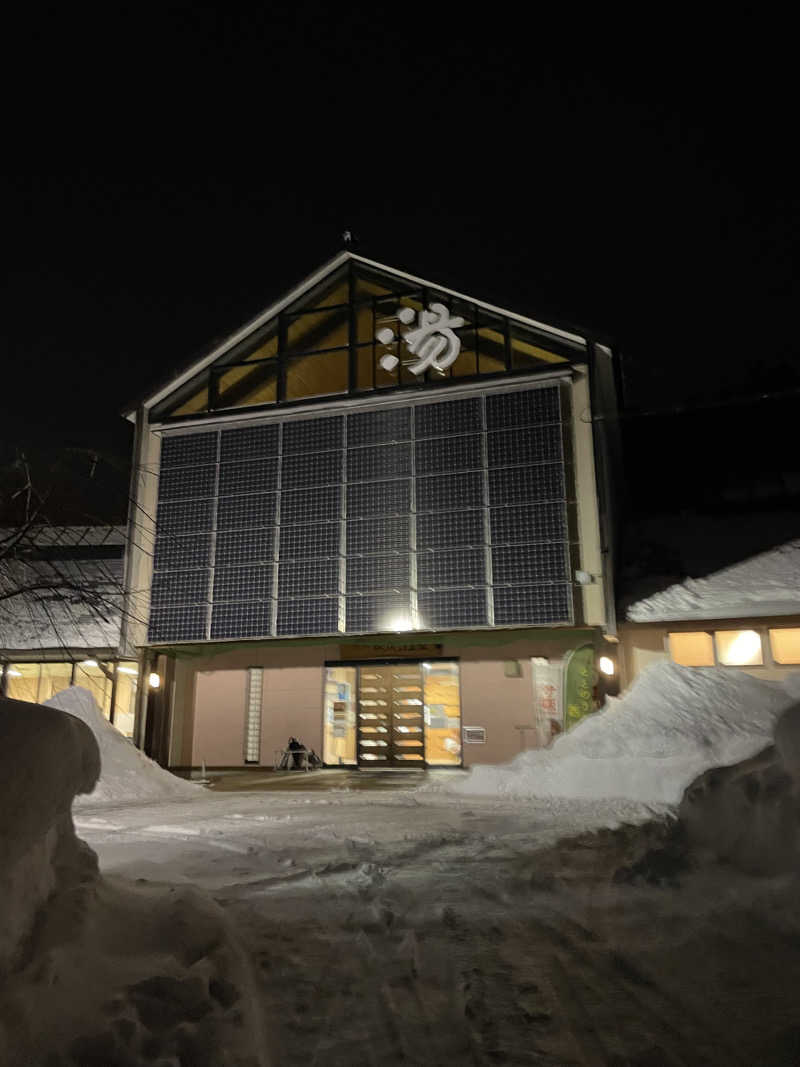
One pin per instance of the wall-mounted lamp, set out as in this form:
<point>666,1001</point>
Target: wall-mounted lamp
<point>154,681</point>
<point>607,666</point>
<point>584,578</point>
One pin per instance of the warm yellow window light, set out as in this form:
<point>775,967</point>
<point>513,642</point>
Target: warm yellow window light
<point>739,648</point>
<point>695,649</point>
<point>785,644</point>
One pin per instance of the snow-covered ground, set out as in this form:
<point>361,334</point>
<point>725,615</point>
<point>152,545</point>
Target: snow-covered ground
<point>428,926</point>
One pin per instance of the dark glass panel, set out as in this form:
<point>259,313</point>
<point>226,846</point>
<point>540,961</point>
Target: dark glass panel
<point>324,374</point>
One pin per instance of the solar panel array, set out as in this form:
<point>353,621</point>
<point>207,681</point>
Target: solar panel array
<point>439,515</point>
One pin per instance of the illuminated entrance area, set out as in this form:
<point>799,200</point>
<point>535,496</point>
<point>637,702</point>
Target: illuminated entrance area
<point>393,715</point>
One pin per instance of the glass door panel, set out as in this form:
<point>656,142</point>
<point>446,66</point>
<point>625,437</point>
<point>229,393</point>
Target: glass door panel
<point>442,714</point>
<point>339,737</point>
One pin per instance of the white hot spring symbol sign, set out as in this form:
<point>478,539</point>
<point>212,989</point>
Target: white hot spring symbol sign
<point>432,340</point>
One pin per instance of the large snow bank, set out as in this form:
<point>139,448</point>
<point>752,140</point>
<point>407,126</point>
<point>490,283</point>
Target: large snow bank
<point>126,774</point>
<point>46,758</point>
<point>767,584</point>
<point>673,724</point>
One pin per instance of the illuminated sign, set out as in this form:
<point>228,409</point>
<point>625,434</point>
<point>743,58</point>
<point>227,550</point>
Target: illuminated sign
<point>431,340</point>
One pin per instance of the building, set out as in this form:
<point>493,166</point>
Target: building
<point>61,616</point>
<point>744,617</point>
<point>360,519</point>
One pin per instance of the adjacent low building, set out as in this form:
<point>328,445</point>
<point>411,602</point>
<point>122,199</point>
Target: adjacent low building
<point>61,617</point>
<point>745,617</point>
<point>363,520</point>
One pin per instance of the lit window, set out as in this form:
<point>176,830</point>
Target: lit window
<point>692,649</point>
<point>785,645</point>
<point>739,648</point>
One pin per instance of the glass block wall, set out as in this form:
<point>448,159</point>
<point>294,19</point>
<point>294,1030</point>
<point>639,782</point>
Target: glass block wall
<point>429,516</point>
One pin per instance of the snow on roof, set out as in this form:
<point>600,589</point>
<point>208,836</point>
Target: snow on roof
<point>60,604</point>
<point>767,584</point>
<point>45,536</point>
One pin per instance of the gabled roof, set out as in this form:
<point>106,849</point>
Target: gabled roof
<point>310,282</point>
<point>767,584</point>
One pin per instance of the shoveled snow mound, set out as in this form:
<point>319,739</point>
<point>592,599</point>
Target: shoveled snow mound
<point>673,724</point>
<point>126,774</point>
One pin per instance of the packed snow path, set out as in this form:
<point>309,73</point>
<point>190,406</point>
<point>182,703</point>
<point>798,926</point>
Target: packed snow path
<point>418,928</point>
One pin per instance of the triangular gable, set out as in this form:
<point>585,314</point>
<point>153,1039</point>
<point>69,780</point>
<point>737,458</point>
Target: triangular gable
<point>354,327</point>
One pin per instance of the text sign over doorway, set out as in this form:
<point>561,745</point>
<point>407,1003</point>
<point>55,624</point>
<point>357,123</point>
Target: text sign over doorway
<point>402,650</point>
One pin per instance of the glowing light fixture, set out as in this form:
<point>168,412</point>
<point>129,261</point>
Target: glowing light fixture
<point>400,624</point>
<point>153,680</point>
<point>606,665</point>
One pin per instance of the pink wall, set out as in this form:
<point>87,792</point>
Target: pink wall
<point>209,712</point>
<point>218,736</point>
<point>292,707</point>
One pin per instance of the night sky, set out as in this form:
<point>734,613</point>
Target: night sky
<point>168,178</point>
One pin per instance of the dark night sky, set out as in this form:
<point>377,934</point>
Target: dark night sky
<point>169,177</point>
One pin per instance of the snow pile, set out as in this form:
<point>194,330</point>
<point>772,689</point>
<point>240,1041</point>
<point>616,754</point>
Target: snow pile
<point>767,584</point>
<point>126,774</point>
<point>748,814</point>
<point>673,724</point>
<point>47,758</point>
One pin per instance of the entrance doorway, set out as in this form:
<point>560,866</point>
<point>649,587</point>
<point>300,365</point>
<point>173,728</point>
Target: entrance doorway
<point>391,731</point>
<point>393,714</point>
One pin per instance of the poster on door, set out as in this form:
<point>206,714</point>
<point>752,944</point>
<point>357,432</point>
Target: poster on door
<point>548,705</point>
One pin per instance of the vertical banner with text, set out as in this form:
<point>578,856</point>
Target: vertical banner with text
<point>547,698</point>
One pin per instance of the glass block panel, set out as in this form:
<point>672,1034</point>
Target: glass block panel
<point>242,619</point>
<point>515,485</point>
<point>533,444</point>
<point>178,623</point>
<point>182,553</point>
<point>368,574</point>
<point>251,582</point>
<point>237,512</point>
<point>310,505</point>
<point>249,443</point>
<point>450,491</point>
<point>448,417</point>
<point>382,613</point>
<point>324,468</point>
<point>379,498</point>
<point>244,546</point>
<point>308,577</point>
<point>444,529</point>
<point>319,616</point>
<point>456,567</point>
<point>377,535</point>
<point>180,587</point>
<point>531,522</point>
<point>530,563</point>
<point>178,482</point>
<point>313,435</point>
<point>258,476</point>
<point>532,604</point>
<point>523,408</point>
<point>188,450</point>
<point>448,454</point>
<point>184,516</point>
<point>365,464</point>
<point>306,542</point>
<point>376,427</point>
<point>454,607</point>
